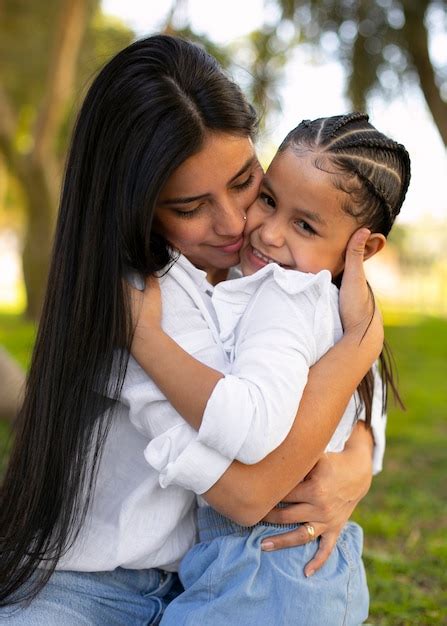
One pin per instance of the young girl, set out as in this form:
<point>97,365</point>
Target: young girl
<point>330,177</point>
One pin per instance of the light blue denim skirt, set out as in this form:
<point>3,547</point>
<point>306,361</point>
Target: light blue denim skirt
<point>230,581</point>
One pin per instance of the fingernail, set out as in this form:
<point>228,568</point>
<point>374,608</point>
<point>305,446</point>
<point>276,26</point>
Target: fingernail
<point>267,545</point>
<point>309,573</point>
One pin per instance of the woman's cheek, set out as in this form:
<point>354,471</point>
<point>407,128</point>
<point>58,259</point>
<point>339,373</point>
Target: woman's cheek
<point>255,216</point>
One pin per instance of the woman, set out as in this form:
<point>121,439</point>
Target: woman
<point>162,132</point>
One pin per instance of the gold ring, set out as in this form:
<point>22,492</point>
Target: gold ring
<point>310,531</point>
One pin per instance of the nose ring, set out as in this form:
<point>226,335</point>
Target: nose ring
<point>245,218</point>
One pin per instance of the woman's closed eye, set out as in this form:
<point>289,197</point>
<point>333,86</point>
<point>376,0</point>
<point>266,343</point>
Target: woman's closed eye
<point>187,214</point>
<point>305,227</point>
<point>245,184</point>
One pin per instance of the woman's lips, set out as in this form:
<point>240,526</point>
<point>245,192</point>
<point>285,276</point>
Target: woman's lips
<point>231,248</point>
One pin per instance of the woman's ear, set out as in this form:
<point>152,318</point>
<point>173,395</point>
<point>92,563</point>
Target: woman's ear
<point>374,244</point>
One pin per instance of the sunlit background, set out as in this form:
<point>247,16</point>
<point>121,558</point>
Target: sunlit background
<point>310,81</point>
<point>295,59</point>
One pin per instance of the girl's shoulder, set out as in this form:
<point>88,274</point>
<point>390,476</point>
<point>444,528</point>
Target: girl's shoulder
<point>274,278</point>
<point>305,301</point>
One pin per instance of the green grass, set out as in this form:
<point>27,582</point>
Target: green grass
<point>405,514</point>
<point>17,337</point>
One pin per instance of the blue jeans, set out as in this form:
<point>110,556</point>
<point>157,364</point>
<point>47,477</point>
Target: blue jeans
<point>229,580</point>
<point>119,598</point>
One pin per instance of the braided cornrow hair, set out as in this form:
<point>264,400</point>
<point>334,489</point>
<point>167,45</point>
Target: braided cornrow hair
<point>374,171</point>
<point>371,168</point>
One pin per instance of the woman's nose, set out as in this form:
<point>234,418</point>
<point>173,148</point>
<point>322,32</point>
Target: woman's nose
<point>230,221</point>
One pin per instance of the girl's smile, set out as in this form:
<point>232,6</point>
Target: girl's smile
<point>257,257</point>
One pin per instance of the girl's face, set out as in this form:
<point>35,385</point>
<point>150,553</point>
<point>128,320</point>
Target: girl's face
<point>201,208</point>
<point>297,220</point>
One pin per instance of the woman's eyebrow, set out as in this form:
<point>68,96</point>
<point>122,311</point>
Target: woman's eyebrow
<point>184,199</point>
<point>253,159</point>
<point>188,199</point>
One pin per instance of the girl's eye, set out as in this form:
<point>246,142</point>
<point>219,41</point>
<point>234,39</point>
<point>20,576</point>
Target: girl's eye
<point>305,227</point>
<point>266,199</point>
<point>245,184</point>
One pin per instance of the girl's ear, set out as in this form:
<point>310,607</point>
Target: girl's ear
<point>374,244</point>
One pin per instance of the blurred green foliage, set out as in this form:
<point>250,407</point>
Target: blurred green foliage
<point>405,514</point>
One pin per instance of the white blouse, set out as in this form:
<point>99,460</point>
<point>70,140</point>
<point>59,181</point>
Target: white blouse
<point>274,325</point>
<point>142,516</point>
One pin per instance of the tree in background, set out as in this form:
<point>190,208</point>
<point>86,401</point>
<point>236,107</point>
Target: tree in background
<point>48,51</point>
<point>381,44</point>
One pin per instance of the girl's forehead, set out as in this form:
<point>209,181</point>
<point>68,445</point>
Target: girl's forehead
<point>302,171</point>
<point>306,181</point>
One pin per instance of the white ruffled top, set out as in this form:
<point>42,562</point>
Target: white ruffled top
<point>274,325</point>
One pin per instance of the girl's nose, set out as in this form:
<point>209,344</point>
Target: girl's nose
<point>271,233</point>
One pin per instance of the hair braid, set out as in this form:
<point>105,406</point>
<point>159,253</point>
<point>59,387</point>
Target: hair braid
<point>372,169</point>
<point>336,123</point>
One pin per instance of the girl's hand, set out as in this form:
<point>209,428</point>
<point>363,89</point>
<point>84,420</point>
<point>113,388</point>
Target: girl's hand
<point>326,499</point>
<point>146,310</point>
<point>360,317</point>
<point>146,306</point>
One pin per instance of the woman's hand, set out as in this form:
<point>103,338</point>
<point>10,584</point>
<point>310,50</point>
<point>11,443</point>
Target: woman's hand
<point>326,498</point>
<point>360,317</point>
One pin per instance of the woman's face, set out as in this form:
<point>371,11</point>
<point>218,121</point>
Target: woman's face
<point>201,209</point>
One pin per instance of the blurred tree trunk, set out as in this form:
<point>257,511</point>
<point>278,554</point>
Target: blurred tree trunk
<point>12,381</point>
<point>416,33</point>
<point>365,52</point>
<point>38,170</point>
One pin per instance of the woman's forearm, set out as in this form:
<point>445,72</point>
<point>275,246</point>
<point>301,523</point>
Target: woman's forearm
<point>247,493</point>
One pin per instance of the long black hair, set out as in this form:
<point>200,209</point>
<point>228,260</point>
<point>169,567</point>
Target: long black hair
<point>374,171</point>
<point>146,112</point>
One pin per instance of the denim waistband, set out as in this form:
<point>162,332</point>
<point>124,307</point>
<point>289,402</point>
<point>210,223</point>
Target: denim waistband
<point>212,524</point>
